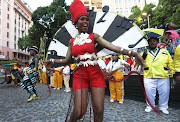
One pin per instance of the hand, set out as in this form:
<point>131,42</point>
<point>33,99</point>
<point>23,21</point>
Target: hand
<point>145,51</point>
<point>140,61</point>
<point>48,63</point>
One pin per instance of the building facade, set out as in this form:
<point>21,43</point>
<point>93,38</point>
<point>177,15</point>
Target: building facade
<point>15,20</point>
<point>123,7</point>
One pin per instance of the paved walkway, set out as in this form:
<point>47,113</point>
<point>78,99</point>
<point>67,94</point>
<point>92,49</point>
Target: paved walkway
<point>14,108</point>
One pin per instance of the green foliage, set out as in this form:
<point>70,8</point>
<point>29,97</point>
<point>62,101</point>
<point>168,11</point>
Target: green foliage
<point>167,11</point>
<point>57,7</point>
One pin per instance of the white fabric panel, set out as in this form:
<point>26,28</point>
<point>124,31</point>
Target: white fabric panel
<point>102,27</point>
<point>60,48</point>
<point>104,52</point>
<point>71,29</point>
<point>130,37</point>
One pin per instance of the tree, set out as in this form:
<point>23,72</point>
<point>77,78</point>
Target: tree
<point>167,11</point>
<point>61,15</point>
<point>148,9</point>
<point>136,13</point>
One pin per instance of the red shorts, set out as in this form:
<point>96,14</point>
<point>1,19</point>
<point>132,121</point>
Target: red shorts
<point>85,76</point>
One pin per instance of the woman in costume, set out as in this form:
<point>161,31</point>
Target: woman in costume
<point>31,75</point>
<point>82,48</point>
<point>173,37</point>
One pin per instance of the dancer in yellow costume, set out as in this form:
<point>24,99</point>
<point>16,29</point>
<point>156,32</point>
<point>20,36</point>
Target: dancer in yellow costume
<point>117,88</point>
<point>57,78</point>
<point>44,76</point>
<point>177,64</point>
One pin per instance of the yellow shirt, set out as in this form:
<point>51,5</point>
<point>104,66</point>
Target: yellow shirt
<point>156,64</point>
<point>177,59</point>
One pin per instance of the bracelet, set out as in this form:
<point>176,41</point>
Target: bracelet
<point>121,49</point>
<point>52,60</point>
<point>129,52</point>
<point>60,60</point>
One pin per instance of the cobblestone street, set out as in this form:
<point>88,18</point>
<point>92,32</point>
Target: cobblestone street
<point>14,108</point>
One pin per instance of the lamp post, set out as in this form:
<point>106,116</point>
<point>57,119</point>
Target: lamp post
<point>145,14</point>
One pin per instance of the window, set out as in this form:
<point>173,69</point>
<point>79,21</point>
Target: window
<point>126,10</point>
<point>7,25</point>
<point>129,1</point>
<point>116,1</point>
<point>14,46</point>
<point>8,54</point>
<point>126,1</point>
<point>8,7</point>
<point>120,1</point>
<point>15,38</point>
<point>134,0</point>
<point>15,14</point>
<point>7,44</point>
<point>138,0</point>
<point>7,16</point>
<point>7,34</point>
<point>86,2</point>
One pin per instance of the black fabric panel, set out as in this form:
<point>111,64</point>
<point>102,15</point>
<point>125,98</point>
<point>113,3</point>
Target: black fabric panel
<point>63,36</point>
<point>92,17</point>
<point>118,27</point>
<point>58,57</point>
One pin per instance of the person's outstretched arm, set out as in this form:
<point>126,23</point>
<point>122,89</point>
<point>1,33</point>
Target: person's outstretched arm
<point>119,50</point>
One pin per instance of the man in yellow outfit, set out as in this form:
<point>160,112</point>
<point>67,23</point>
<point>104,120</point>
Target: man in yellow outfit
<point>117,88</point>
<point>57,78</point>
<point>156,77</point>
<point>177,64</point>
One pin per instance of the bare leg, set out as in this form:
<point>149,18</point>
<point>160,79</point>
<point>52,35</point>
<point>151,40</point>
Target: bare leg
<point>98,95</point>
<point>80,107</point>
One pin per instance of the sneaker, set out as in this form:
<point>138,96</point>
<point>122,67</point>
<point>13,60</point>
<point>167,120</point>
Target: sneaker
<point>121,102</point>
<point>165,111</point>
<point>58,88</point>
<point>30,98</point>
<point>68,90</point>
<point>36,97</point>
<point>54,88</point>
<point>148,109</point>
<point>65,90</point>
<point>112,101</point>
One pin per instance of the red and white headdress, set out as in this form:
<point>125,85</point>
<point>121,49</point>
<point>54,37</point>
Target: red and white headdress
<point>77,9</point>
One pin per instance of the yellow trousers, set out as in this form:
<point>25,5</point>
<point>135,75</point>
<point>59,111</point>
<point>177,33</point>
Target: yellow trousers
<point>57,78</point>
<point>44,78</point>
<point>117,88</point>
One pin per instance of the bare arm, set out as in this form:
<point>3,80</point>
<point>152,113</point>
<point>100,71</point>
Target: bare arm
<point>117,49</point>
<point>165,38</point>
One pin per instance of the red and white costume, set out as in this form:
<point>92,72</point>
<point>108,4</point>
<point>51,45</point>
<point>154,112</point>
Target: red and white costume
<point>85,55</point>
